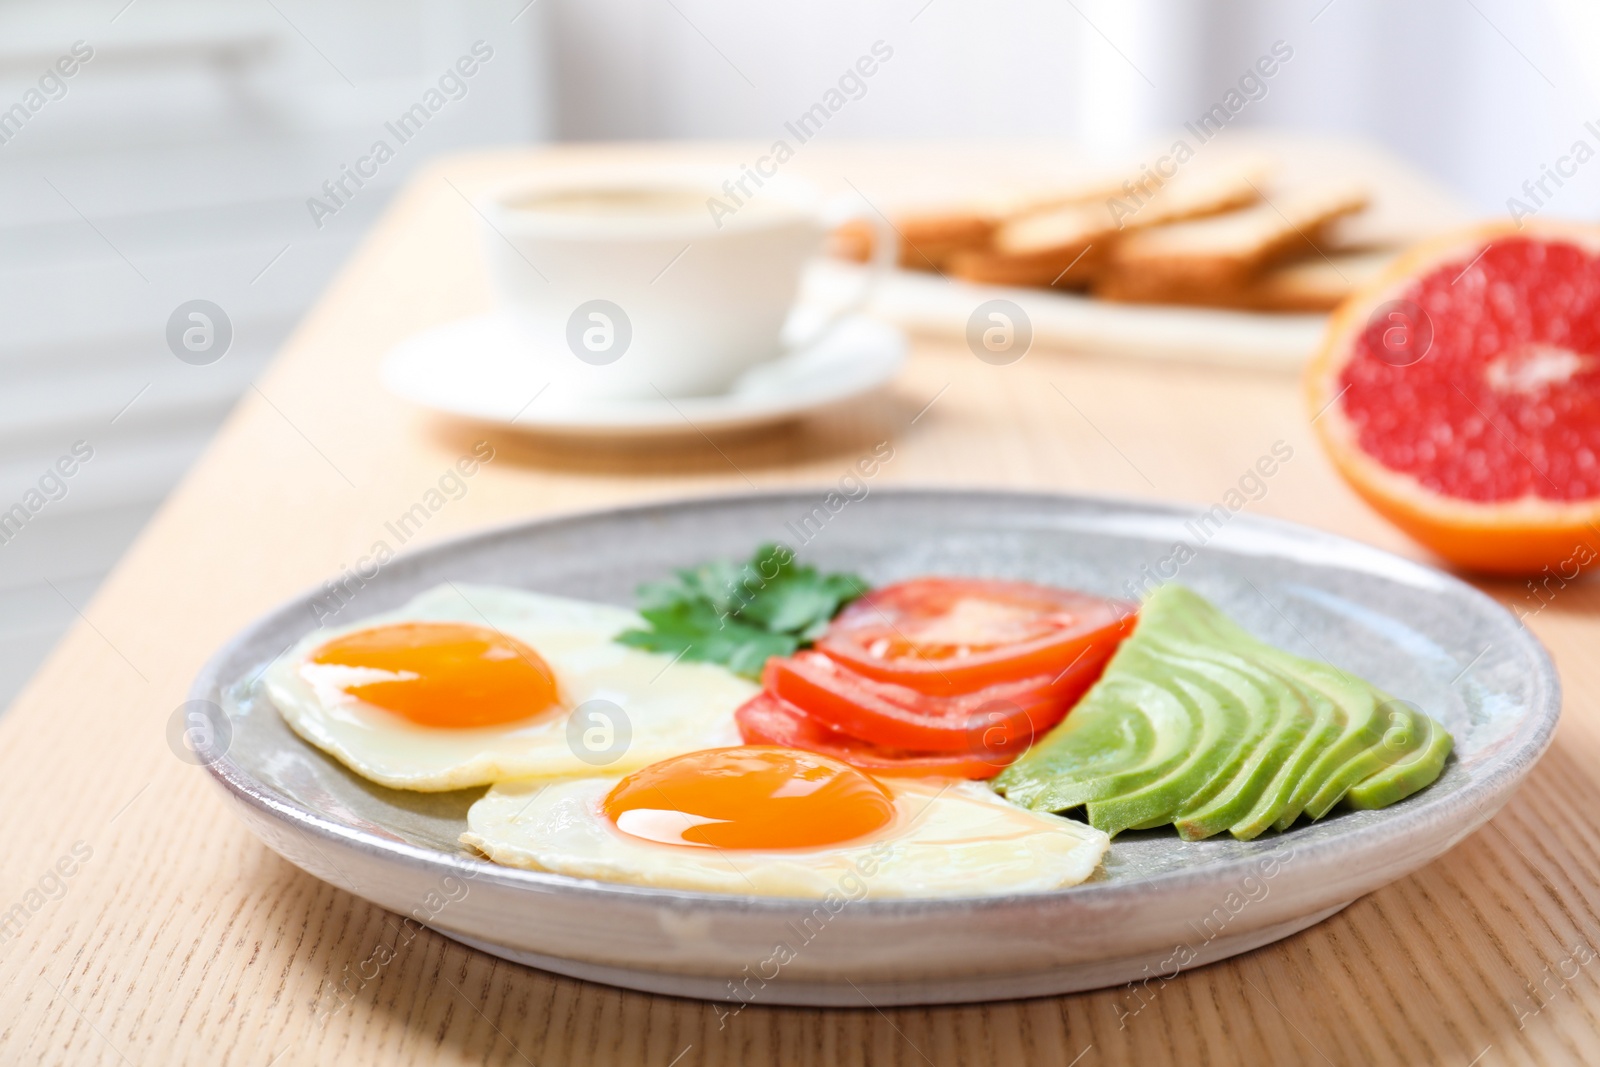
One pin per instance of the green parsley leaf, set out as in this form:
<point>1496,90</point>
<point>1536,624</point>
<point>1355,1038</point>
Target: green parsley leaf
<point>741,614</point>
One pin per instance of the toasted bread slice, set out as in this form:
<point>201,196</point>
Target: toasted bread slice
<point>931,237</point>
<point>1053,269</point>
<point>1225,250</point>
<point>1316,283</point>
<point>1087,190</point>
<point>927,241</point>
<point>1189,195</point>
<point>1193,194</point>
<point>1058,235</point>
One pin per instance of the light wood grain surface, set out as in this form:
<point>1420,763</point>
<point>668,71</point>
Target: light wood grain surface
<point>177,938</point>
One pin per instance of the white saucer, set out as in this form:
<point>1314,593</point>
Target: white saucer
<point>480,368</point>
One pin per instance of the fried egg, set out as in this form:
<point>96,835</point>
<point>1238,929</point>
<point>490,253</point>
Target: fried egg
<point>782,822</point>
<point>468,684</point>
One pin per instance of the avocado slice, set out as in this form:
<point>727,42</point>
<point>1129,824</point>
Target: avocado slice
<point>1291,721</point>
<point>1242,684</point>
<point>1408,752</point>
<point>1394,733</point>
<point>1325,724</point>
<point>1190,615</point>
<point>1348,758</point>
<point>1405,776</point>
<point>1197,723</point>
<point>1127,731</point>
<point>1358,703</point>
<point>1225,727</point>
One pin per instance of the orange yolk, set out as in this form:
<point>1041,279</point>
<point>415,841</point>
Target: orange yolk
<point>451,674</point>
<point>749,797</point>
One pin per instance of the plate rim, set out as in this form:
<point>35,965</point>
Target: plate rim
<point>1530,739</point>
<point>713,412</point>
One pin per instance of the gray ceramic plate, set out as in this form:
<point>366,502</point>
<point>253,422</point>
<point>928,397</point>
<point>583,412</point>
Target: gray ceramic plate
<point>1161,904</point>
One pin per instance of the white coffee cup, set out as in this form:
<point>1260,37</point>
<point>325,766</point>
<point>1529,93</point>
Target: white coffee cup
<point>641,282</point>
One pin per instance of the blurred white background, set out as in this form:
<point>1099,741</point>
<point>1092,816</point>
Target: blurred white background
<point>176,163</point>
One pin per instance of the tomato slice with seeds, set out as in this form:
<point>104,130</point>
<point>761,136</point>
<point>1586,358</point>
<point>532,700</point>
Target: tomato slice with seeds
<point>770,720</point>
<point>1005,715</point>
<point>948,636</point>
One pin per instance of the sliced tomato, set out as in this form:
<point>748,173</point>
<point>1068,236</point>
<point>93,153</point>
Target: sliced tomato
<point>947,636</point>
<point>1002,717</point>
<point>769,720</point>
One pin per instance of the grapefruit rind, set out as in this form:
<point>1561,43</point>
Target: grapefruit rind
<point>1514,537</point>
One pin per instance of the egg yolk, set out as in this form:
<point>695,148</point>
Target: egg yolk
<point>449,674</point>
<point>749,797</point>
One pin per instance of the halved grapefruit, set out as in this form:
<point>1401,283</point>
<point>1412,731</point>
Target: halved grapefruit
<point>1459,394</point>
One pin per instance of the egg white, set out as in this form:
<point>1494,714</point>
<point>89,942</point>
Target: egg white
<point>672,707</point>
<point>947,839</point>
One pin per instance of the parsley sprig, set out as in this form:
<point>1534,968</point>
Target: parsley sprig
<point>741,614</point>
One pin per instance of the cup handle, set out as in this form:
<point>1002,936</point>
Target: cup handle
<point>850,207</point>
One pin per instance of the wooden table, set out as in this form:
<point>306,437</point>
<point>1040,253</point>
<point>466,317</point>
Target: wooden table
<point>178,937</point>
